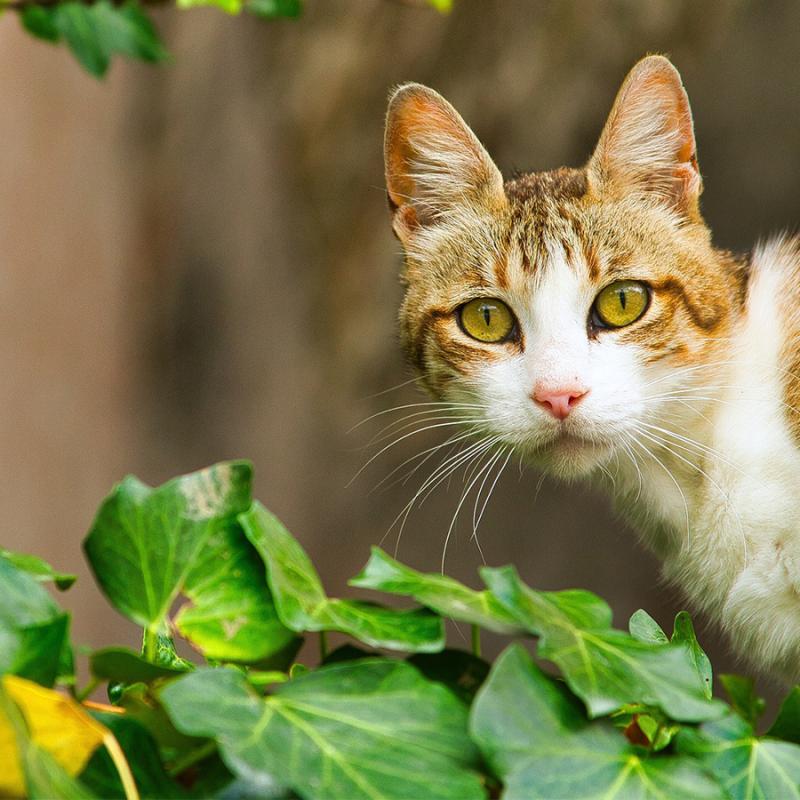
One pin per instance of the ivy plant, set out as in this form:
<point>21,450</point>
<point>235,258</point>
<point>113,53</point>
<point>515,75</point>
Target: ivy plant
<point>97,30</point>
<point>572,707</point>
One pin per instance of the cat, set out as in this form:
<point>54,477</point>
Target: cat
<point>583,319</point>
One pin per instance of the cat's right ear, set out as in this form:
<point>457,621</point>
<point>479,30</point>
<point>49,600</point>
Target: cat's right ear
<point>434,162</point>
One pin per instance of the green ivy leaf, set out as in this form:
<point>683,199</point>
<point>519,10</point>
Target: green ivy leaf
<point>76,23</point>
<point>36,567</point>
<point>228,6</point>
<point>742,693</point>
<point>443,595</point>
<point>644,628</point>
<point>33,629</point>
<point>787,723</point>
<point>127,30</point>
<point>606,668</point>
<point>372,729</point>
<point>537,740</point>
<point>442,6</point>
<point>101,776</point>
<point>302,604</point>
<point>275,9</point>
<point>40,22</point>
<point>121,664</point>
<point>231,615</point>
<point>144,541</point>
<point>463,673</point>
<point>683,634</point>
<point>748,767</point>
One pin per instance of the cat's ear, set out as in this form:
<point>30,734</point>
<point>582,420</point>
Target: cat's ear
<point>648,145</point>
<point>434,162</point>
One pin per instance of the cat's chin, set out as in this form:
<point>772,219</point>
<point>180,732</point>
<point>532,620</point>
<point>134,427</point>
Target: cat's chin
<point>570,457</point>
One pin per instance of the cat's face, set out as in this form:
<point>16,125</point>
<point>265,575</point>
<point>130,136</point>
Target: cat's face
<point>573,314</point>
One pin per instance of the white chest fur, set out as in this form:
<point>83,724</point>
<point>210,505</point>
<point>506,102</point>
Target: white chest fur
<point>733,542</point>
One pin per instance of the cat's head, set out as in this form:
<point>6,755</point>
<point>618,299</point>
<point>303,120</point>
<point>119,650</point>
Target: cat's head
<point>568,312</point>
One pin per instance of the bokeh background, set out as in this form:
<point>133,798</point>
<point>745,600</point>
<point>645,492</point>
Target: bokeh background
<point>196,260</point>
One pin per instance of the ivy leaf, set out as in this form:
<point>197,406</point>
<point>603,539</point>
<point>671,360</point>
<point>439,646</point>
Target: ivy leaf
<point>537,740</point>
<point>742,693</point>
<point>121,664</point>
<point>372,729</point>
<point>127,30</point>
<point>45,740</point>
<point>152,781</point>
<point>33,629</point>
<point>442,6</point>
<point>34,566</point>
<point>440,593</point>
<point>606,668</point>
<point>40,22</point>
<point>76,23</point>
<point>231,615</point>
<point>463,673</point>
<point>787,723</point>
<point>275,9</point>
<point>683,634</point>
<point>644,628</point>
<point>747,767</point>
<point>302,604</point>
<point>144,541</point>
<point>228,6</point>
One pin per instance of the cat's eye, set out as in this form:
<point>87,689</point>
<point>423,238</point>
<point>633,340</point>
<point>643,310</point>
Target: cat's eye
<point>487,319</point>
<point>620,304</point>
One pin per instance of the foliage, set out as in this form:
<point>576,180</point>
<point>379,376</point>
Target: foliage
<point>97,30</point>
<point>622,714</point>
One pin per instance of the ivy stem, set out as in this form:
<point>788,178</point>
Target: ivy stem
<point>150,645</point>
<point>122,767</point>
<point>192,757</point>
<point>476,641</point>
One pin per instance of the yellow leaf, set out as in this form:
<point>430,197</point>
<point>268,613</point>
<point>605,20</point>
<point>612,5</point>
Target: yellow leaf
<point>55,722</point>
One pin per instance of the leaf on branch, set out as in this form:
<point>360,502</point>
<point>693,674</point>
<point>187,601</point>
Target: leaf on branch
<point>742,694</point>
<point>302,604</point>
<point>228,6</point>
<point>747,767</point>
<point>275,9</point>
<point>149,545</point>
<point>606,668</point>
<point>121,664</point>
<point>36,567</point>
<point>787,723</point>
<point>40,22</point>
<point>33,629</point>
<point>537,740</point>
<point>440,593</point>
<point>372,730</point>
<point>45,740</point>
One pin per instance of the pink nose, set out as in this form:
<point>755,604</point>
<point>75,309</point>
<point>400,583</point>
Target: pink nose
<point>559,401</point>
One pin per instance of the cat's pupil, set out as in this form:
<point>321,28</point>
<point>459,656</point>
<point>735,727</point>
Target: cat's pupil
<point>487,315</point>
<point>622,299</point>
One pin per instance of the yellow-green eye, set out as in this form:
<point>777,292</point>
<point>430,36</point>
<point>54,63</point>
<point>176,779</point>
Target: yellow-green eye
<point>621,303</point>
<point>487,319</point>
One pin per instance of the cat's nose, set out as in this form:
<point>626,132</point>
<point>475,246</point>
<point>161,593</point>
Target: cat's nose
<point>558,401</point>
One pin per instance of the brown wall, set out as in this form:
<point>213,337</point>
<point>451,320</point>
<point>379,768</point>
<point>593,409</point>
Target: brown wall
<point>197,262</point>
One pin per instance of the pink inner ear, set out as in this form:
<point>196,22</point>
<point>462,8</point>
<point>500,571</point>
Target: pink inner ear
<point>414,117</point>
<point>634,153</point>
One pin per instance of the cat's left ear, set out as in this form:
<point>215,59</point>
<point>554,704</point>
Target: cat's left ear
<point>434,162</point>
<point>647,146</point>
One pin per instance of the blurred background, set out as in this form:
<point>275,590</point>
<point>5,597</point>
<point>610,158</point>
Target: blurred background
<point>196,261</point>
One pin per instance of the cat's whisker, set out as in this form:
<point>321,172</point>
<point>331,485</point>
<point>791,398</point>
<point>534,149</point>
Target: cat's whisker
<point>429,453</point>
<point>417,379</point>
<point>400,439</point>
<point>476,516</point>
<point>497,477</point>
<point>393,430</point>
<point>652,455</point>
<point>461,502</point>
<point>442,470</point>
<point>438,403</point>
<point>693,446</point>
